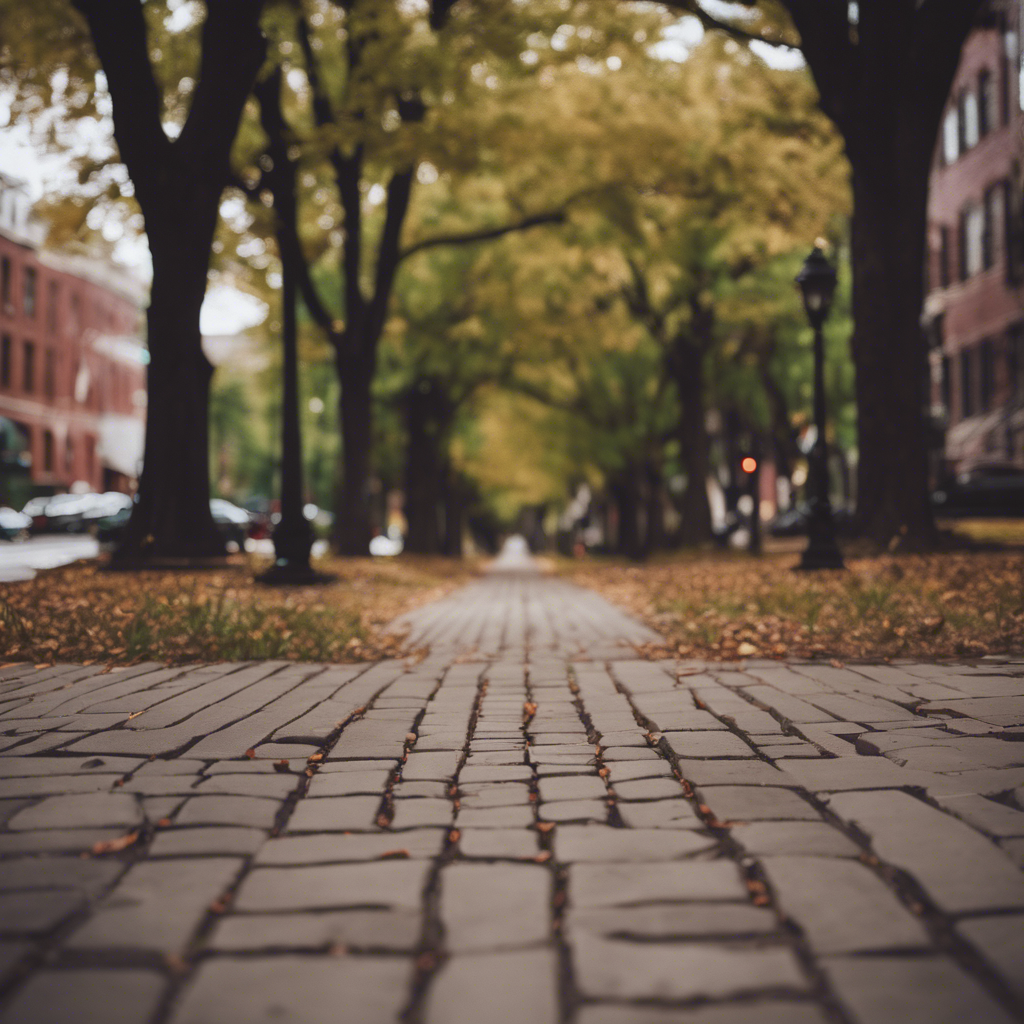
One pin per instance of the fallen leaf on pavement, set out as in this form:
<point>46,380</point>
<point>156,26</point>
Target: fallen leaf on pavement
<point>114,845</point>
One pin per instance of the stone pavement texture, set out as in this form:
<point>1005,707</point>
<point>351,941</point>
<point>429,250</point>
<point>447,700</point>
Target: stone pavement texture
<point>529,824</point>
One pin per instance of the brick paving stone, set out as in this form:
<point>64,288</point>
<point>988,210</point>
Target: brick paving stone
<point>674,813</point>
<point>612,969</point>
<point>268,990</point>
<point>12,956</point>
<point>88,876</point>
<point>497,773</point>
<point>397,930</point>
<point>735,773</point>
<point>348,783</point>
<point>935,848</point>
<point>437,765</point>
<point>177,842</point>
<point>911,990</point>
<point>764,803</point>
<point>492,987</point>
<point>841,906</point>
<point>157,905</point>
<point>760,1012</point>
<point>813,838</point>
<point>598,843</point>
<point>624,771</point>
<point>706,744</point>
<point>80,811</point>
<point>335,814</point>
<point>647,789</point>
<point>609,885</point>
<point>392,883</point>
<point>495,817</point>
<point>55,840</point>
<point>508,843</point>
<point>987,815</point>
<point>419,812</point>
<point>28,913</point>
<point>56,785</point>
<point>278,785</point>
<point>247,811</point>
<point>486,907</point>
<point>333,848</point>
<point>675,921</point>
<point>507,794</point>
<point>580,787</point>
<point>574,810</point>
<point>86,997</point>
<point>1000,940</point>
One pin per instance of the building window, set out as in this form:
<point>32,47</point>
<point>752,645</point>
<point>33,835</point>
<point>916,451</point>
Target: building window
<point>50,373</point>
<point>5,284</point>
<point>30,291</point>
<point>28,369</point>
<point>944,257</point>
<point>1015,361</point>
<point>986,374</point>
<point>75,317</point>
<point>69,455</point>
<point>5,361</point>
<point>968,118</point>
<point>986,103</point>
<point>947,385</point>
<point>48,451</point>
<point>1013,234</point>
<point>951,136</point>
<point>972,231</point>
<point>966,384</point>
<point>52,297</point>
<point>988,227</point>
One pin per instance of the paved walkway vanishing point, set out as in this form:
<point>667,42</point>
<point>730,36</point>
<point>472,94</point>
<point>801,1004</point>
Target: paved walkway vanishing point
<point>529,826</point>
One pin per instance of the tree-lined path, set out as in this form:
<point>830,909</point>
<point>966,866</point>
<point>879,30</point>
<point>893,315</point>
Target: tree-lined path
<point>527,824</point>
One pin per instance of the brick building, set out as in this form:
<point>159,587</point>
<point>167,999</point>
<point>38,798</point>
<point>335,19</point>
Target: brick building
<point>974,310</point>
<point>72,367</point>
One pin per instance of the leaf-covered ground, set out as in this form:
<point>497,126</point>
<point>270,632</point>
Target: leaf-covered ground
<point>726,605</point>
<point>82,614</point>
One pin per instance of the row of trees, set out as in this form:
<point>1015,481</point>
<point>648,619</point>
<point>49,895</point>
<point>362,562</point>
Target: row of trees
<point>404,130</point>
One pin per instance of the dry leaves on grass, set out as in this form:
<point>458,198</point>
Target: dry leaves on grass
<point>721,606</point>
<point>82,614</point>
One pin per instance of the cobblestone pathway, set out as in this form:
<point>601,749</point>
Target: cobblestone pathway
<point>530,825</point>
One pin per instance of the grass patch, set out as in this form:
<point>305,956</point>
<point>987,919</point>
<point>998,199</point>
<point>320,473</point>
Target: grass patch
<point>724,605</point>
<point>80,614</point>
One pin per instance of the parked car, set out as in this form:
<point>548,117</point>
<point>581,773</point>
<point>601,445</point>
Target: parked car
<point>793,521</point>
<point>14,525</point>
<point>73,513</point>
<point>989,490</point>
<point>232,521</point>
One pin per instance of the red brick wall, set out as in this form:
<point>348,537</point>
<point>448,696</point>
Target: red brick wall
<point>62,332</point>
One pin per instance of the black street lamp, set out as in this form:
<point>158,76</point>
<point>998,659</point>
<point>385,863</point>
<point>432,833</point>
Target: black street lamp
<point>293,535</point>
<point>817,280</point>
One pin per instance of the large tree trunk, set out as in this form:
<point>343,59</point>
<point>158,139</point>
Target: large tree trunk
<point>423,469</point>
<point>889,349</point>
<point>353,525</point>
<point>172,520</point>
<point>687,366</point>
<point>625,490</point>
<point>654,508</point>
<point>453,497</point>
<point>178,186</point>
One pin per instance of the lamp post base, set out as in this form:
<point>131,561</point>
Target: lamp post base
<point>822,551</point>
<point>288,573</point>
<point>820,557</point>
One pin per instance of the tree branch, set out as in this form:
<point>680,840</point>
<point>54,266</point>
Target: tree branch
<point>118,31</point>
<point>483,234</point>
<point>709,21</point>
<point>399,193</point>
<point>233,49</point>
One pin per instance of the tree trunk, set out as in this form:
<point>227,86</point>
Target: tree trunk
<point>687,366</point>
<point>422,472</point>
<point>453,497</point>
<point>172,519</point>
<point>353,524</point>
<point>890,355</point>
<point>654,517</point>
<point>626,494</point>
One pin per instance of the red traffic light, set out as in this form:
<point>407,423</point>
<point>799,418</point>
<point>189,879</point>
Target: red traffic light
<point>748,465</point>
